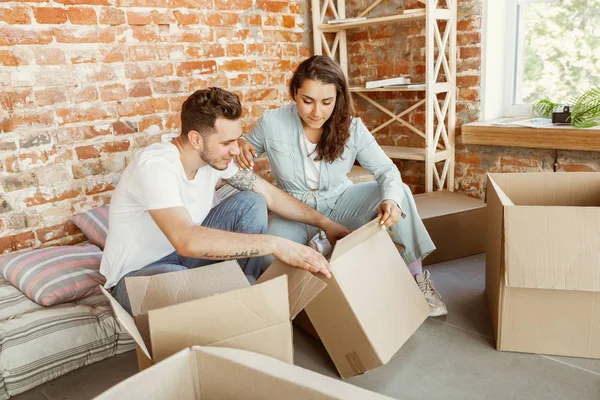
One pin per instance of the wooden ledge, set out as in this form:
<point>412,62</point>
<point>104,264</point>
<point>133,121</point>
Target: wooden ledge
<point>560,137</point>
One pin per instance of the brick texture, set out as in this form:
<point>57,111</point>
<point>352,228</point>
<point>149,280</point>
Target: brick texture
<point>85,83</point>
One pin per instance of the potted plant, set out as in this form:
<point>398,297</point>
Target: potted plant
<point>585,108</point>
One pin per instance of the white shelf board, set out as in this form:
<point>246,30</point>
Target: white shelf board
<point>360,89</point>
<point>415,16</point>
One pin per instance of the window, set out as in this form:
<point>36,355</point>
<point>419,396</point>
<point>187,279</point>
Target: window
<point>550,48</point>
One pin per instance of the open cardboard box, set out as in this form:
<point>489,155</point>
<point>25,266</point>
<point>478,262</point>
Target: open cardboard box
<point>370,306</point>
<point>543,262</point>
<point>209,306</point>
<point>219,373</point>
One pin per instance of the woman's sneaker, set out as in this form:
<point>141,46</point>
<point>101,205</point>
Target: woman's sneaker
<point>437,308</point>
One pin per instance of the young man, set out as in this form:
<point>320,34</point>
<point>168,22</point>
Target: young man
<point>161,218</point>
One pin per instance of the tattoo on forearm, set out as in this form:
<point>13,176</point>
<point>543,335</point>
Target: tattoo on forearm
<point>240,254</point>
<point>244,180</point>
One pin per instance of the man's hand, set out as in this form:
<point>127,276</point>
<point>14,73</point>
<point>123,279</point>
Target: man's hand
<point>301,256</point>
<point>245,160</point>
<point>335,231</point>
<point>389,213</point>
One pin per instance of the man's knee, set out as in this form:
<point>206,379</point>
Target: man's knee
<point>252,209</point>
<point>250,199</point>
<point>166,268</point>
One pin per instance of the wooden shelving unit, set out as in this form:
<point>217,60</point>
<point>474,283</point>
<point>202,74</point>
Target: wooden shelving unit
<point>439,89</point>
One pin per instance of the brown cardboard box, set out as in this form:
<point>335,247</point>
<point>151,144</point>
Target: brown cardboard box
<point>212,305</point>
<point>455,222</point>
<point>543,262</point>
<point>371,305</point>
<point>359,174</point>
<point>211,373</point>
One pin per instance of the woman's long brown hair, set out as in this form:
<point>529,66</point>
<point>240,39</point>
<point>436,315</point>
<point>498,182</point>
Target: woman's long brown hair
<point>336,129</point>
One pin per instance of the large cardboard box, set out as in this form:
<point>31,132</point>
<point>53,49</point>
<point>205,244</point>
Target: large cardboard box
<point>211,373</point>
<point>358,174</point>
<point>370,306</point>
<point>543,262</point>
<point>455,222</point>
<point>212,305</point>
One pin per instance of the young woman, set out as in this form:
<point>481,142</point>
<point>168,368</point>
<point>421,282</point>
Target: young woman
<point>313,144</point>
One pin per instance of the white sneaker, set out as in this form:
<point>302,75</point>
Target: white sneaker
<point>437,308</point>
<point>320,243</point>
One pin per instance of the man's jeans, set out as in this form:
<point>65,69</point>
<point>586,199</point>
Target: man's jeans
<point>243,212</point>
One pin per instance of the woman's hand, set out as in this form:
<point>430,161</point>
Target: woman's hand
<point>389,213</point>
<point>245,160</point>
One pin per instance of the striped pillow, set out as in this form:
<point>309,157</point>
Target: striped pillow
<point>94,225</point>
<point>55,275</point>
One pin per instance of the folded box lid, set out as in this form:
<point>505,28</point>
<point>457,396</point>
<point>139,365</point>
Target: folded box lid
<point>224,373</point>
<point>355,238</point>
<point>163,290</point>
<point>303,285</point>
<point>245,318</point>
<point>157,291</point>
<point>128,323</point>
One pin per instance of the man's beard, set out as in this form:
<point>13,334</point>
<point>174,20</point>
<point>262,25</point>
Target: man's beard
<point>212,161</point>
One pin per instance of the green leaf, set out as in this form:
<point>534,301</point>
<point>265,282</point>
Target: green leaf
<point>586,108</point>
<point>543,108</point>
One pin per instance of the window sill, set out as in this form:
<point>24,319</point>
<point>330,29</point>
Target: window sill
<point>560,137</point>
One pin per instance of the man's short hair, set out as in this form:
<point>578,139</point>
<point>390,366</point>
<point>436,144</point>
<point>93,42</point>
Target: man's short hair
<point>201,110</point>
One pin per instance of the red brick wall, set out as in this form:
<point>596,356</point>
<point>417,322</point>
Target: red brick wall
<point>85,83</point>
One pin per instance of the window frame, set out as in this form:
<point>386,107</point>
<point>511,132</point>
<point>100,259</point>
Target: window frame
<point>499,59</point>
<point>511,67</point>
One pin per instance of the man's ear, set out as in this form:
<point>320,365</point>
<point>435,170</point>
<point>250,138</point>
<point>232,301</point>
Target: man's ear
<point>195,140</point>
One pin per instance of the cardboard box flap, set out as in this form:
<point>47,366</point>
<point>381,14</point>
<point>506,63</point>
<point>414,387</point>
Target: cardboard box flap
<point>219,317</point>
<point>498,181</point>
<point>354,239</point>
<point>164,290</point>
<point>550,188</point>
<point>442,202</point>
<point>494,261</point>
<point>127,322</point>
<point>222,373</point>
<point>261,377</point>
<point>274,341</point>
<point>303,285</point>
<point>175,378</point>
<point>552,248</point>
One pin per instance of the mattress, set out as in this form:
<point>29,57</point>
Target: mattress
<point>38,344</point>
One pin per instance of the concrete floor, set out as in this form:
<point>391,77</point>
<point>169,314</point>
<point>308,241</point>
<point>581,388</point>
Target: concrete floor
<point>447,358</point>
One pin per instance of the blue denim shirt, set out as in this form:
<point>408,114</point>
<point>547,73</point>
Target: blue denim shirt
<point>279,133</point>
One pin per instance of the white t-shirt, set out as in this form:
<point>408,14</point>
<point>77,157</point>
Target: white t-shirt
<point>312,168</point>
<point>154,179</point>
